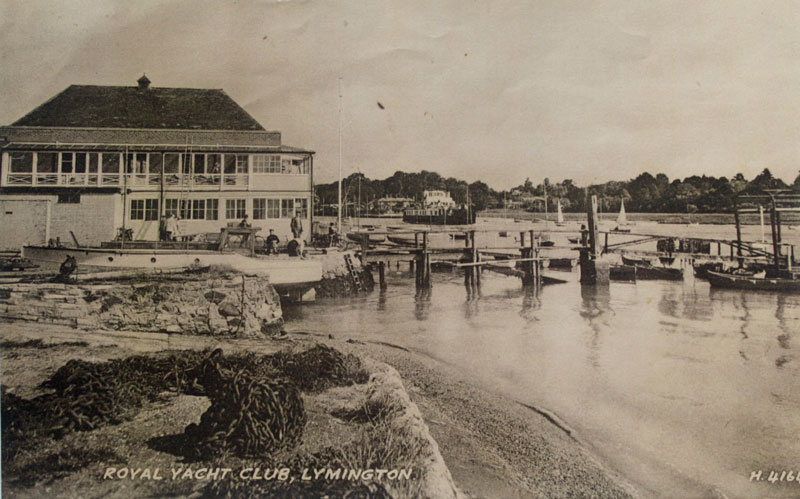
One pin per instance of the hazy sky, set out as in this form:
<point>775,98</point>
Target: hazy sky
<point>496,91</point>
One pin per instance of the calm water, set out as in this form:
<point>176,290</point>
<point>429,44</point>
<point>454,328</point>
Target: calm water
<point>682,388</point>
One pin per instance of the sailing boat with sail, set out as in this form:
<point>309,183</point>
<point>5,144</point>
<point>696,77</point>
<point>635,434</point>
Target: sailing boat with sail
<point>622,219</point>
<point>560,216</point>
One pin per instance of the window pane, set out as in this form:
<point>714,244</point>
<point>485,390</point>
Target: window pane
<point>80,162</point>
<point>137,209</point>
<point>171,162</point>
<point>198,209</point>
<point>199,163</point>
<point>186,161</point>
<point>273,208</point>
<point>213,163</point>
<point>241,163</point>
<point>259,209</point>
<point>240,208</point>
<point>230,164</point>
<point>287,208</point>
<point>155,162</point>
<point>266,163</point>
<point>212,208</point>
<point>151,209</point>
<point>66,162</point>
<point>230,208</point>
<point>301,207</point>
<point>21,162</point>
<point>93,162</point>
<point>110,162</point>
<point>171,207</point>
<point>46,162</point>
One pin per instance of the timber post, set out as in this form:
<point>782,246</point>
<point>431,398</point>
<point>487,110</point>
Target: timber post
<point>427,259</point>
<point>382,274</point>
<point>776,243</point>
<point>423,271</point>
<point>364,249</point>
<point>738,234</point>
<point>476,271</point>
<point>588,253</point>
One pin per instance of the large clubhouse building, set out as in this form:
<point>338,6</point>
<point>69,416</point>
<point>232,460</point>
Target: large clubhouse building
<point>98,160</point>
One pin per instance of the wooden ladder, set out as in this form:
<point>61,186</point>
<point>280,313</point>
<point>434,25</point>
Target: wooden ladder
<point>359,286</point>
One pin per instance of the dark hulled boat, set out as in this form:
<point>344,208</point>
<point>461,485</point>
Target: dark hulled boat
<point>440,215</point>
<point>644,272</point>
<point>790,283</point>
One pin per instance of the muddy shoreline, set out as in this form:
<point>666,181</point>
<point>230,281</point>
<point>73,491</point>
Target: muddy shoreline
<point>492,446</point>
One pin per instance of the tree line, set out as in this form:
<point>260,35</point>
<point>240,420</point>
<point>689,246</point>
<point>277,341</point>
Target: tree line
<point>645,193</point>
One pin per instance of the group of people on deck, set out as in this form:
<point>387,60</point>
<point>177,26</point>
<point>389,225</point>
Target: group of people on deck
<point>294,247</point>
<point>169,231</point>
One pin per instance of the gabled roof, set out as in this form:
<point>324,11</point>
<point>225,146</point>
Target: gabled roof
<point>91,106</point>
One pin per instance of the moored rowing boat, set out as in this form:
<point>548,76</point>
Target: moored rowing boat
<point>733,281</point>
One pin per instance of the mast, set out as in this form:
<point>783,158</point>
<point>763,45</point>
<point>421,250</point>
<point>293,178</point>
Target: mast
<point>544,188</point>
<point>124,196</point>
<point>469,206</point>
<point>339,207</point>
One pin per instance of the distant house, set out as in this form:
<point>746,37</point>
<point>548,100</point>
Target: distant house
<point>523,199</point>
<point>95,159</point>
<point>392,204</point>
<point>437,198</point>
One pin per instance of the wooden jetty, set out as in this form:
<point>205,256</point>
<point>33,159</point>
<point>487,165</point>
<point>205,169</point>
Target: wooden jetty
<point>528,257</point>
<point>471,257</point>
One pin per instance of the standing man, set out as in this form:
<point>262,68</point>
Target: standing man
<point>297,226</point>
<point>172,227</point>
<point>244,224</point>
<point>333,237</point>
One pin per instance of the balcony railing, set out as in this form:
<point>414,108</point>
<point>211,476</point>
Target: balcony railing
<point>152,181</point>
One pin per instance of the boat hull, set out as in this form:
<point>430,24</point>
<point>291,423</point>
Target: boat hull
<point>455,216</point>
<point>730,281</point>
<point>626,260</point>
<point>282,271</point>
<point>402,240</point>
<point>371,238</point>
<point>645,273</point>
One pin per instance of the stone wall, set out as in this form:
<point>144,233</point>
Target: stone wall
<point>336,280</point>
<point>224,304</point>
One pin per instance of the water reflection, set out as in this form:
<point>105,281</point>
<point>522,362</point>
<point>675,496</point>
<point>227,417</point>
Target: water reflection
<point>759,315</point>
<point>595,308</point>
<point>422,303</point>
<point>784,337</point>
<point>695,306</point>
<point>783,322</point>
<point>472,287</point>
<point>609,359</point>
<point>595,301</point>
<point>531,302</point>
<point>670,302</point>
<point>382,300</point>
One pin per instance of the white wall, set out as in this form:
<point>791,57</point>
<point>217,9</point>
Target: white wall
<point>24,219</point>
